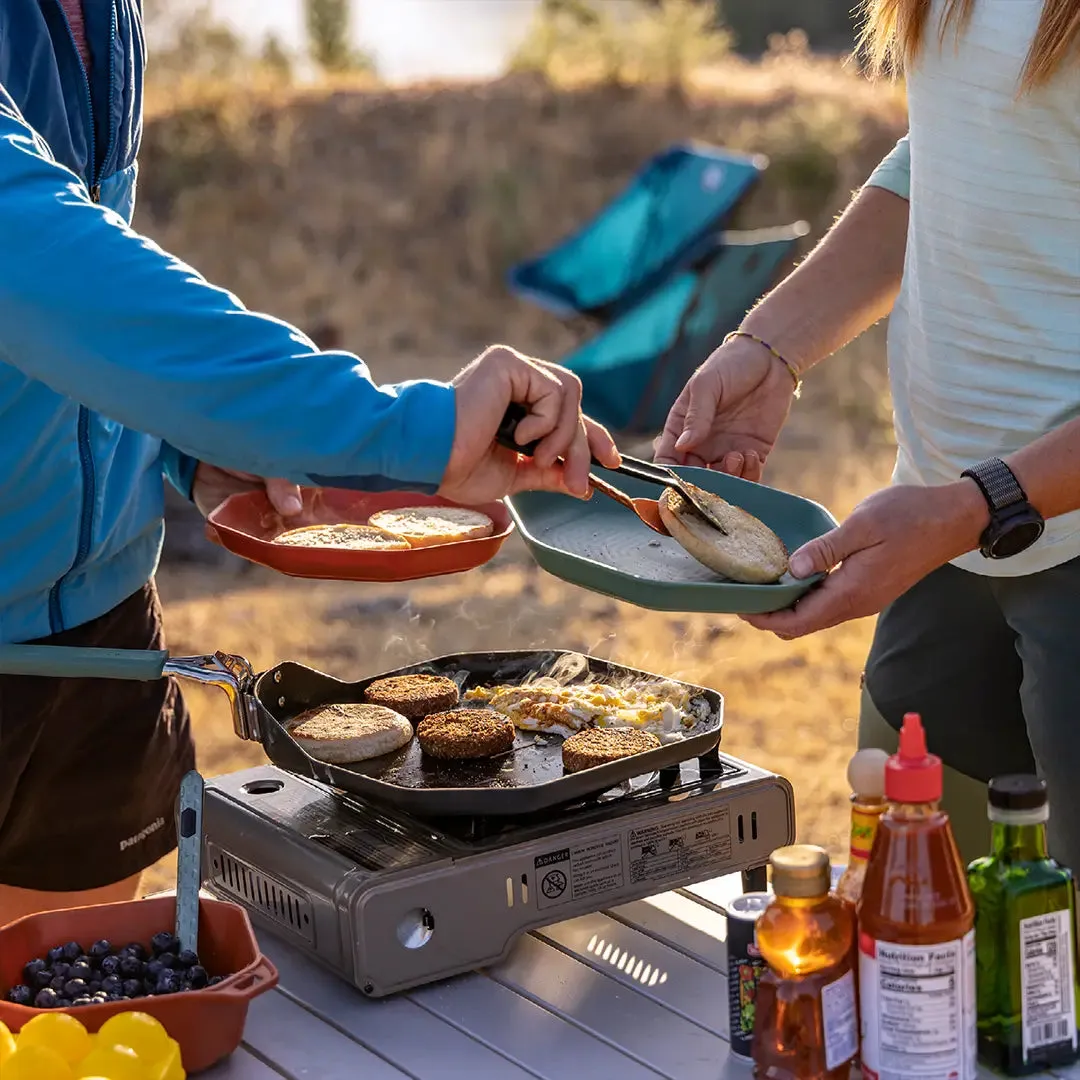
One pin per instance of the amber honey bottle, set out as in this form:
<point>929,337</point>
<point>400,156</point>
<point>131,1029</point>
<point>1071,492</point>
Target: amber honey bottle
<point>916,931</point>
<point>806,1026</point>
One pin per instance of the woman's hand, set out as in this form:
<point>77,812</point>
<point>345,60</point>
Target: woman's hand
<point>892,540</point>
<point>213,486</point>
<point>730,413</point>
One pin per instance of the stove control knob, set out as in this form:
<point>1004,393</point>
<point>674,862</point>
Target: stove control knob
<point>415,929</point>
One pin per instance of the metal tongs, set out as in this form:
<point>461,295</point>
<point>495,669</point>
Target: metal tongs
<point>648,510</point>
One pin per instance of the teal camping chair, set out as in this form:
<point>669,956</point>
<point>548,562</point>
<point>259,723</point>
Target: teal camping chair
<point>634,369</point>
<point>665,219</point>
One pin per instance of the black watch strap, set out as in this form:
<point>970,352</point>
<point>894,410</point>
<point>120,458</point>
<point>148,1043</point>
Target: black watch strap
<point>998,484</point>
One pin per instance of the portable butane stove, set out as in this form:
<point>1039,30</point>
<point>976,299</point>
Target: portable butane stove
<point>390,901</point>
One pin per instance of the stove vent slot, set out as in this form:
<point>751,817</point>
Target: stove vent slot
<point>263,893</point>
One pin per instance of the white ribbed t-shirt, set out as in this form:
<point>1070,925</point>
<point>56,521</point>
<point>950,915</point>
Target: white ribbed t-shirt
<point>984,340</point>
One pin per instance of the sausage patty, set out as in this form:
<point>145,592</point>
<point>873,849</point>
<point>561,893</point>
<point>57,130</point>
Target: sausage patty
<point>598,746</point>
<point>414,696</point>
<point>465,733</point>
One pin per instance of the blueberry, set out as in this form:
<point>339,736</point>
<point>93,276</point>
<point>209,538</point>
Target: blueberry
<point>133,988</point>
<point>80,970</point>
<point>62,969</point>
<point>215,979</point>
<point>57,984</point>
<point>55,955</point>
<point>20,995</point>
<point>196,977</point>
<point>112,984</point>
<point>100,949</point>
<point>164,942</point>
<point>167,959</point>
<point>41,979</point>
<point>131,967</point>
<point>46,999</point>
<point>115,997</point>
<point>84,959</point>
<point>169,982</point>
<point>93,985</point>
<point>74,988</point>
<point>83,1000</point>
<point>137,950</point>
<point>187,959</point>
<point>72,951</point>
<point>154,969</point>
<point>100,997</point>
<point>110,965</point>
<point>32,968</point>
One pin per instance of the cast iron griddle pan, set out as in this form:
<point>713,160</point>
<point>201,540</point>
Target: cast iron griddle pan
<point>521,781</point>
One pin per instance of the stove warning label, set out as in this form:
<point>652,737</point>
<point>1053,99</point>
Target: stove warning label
<point>675,849</point>
<point>577,873</point>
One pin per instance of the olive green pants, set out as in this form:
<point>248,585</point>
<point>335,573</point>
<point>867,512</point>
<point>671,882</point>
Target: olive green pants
<point>992,665</point>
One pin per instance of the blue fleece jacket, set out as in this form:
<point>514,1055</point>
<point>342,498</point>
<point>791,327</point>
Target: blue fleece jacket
<point>119,364</point>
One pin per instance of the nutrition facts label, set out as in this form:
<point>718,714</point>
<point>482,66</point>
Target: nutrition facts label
<point>1046,963</point>
<point>918,1009</point>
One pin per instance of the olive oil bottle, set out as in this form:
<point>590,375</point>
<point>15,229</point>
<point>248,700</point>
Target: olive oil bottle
<point>1025,937</point>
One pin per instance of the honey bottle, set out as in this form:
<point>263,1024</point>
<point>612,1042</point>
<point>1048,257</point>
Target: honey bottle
<point>916,931</point>
<point>805,1027</point>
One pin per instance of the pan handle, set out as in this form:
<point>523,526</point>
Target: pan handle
<point>68,662</point>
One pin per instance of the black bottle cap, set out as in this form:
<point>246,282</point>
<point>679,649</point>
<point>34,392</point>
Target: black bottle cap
<point>1018,792</point>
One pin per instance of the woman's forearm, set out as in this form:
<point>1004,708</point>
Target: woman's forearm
<point>848,283</point>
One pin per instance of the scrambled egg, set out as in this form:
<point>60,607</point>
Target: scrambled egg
<point>544,705</point>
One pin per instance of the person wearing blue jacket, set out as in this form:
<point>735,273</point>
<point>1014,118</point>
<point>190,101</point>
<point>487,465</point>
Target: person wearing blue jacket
<point>121,366</point>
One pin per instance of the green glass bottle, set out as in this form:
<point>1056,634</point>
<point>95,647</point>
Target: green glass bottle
<point>1025,937</point>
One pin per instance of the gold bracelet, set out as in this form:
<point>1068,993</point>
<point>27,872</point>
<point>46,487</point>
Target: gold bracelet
<point>792,369</point>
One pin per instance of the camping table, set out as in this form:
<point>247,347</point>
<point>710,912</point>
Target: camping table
<point>562,1006</point>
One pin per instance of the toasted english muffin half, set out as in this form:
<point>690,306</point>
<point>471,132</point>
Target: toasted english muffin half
<point>351,537</point>
<point>748,551</point>
<point>426,526</point>
<point>341,734</point>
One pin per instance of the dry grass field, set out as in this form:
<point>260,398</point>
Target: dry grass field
<point>391,215</point>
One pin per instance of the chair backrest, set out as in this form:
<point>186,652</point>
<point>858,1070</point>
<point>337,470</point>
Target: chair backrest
<point>634,369</point>
<point>665,219</point>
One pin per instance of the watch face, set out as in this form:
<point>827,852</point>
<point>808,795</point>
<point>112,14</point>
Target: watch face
<point>1016,537</point>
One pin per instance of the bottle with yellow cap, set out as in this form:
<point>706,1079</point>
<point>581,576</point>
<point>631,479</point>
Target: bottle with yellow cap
<point>806,1026</point>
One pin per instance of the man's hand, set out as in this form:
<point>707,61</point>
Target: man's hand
<point>730,413</point>
<point>892,540</point>
<point>213,486</point>
<point>479,470</point>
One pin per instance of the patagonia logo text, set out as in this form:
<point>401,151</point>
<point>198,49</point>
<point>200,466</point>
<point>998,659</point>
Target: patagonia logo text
<point>139,837</point>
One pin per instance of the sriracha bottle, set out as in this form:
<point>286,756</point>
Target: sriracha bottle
<point>916,931</point>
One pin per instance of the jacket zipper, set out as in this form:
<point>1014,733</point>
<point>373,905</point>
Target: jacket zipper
<point>86,455</point>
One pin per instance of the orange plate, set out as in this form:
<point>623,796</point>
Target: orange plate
<point>208,1024</point>
<point>245,524</point>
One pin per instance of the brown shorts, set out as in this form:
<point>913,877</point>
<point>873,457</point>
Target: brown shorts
<point>90,768</point>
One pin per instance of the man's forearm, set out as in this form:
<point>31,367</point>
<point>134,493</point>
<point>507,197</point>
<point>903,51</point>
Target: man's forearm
<point>848,283</point>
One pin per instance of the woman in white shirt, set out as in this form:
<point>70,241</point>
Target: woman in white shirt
<point>969,234</point>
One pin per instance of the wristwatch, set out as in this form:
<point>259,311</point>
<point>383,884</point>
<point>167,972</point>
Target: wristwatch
<point>1014,523</point>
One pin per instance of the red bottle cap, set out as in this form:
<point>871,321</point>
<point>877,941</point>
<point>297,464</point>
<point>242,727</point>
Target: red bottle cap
<point>911,774</point>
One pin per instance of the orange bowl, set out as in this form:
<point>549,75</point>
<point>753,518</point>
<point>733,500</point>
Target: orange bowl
<point>246,524</point>
<point>208,1024</point>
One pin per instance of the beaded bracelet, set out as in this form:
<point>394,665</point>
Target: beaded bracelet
<point>792,369</point>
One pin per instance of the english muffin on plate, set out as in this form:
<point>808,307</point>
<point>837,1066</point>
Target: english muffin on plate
<point>427,526</point>
<point>746,551</point>
<point>351,537</point>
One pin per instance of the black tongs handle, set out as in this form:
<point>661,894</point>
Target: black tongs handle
<point>642,470</point>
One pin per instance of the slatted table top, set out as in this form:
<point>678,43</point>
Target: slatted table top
<point>635,993</point>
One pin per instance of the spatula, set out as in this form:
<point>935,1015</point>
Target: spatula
<point>648,510</point>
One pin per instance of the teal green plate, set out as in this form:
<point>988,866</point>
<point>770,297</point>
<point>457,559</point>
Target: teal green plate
<point>601,546</point>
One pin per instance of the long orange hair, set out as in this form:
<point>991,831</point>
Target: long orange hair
<point>892,34</point>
